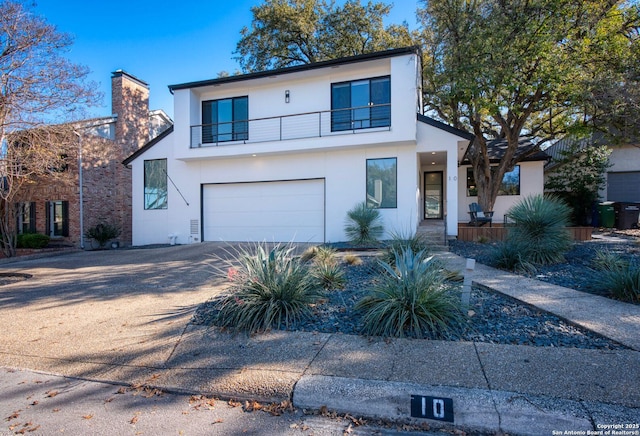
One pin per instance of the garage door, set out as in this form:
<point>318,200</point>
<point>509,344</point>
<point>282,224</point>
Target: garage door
<point>287,211</point>
<point>623,186</point>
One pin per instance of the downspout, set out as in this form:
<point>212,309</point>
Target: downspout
<point>80,183</point>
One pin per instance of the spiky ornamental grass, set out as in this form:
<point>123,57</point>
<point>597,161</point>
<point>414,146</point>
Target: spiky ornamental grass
<point>271,288</point>
<point>411,298</point>
<point>363,224</point>
<point>541,227</point>
<point>616,276</point>
<point>326,269</point>
<point>401,240</point>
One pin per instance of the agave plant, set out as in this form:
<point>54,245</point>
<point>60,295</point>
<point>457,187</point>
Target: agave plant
<point>411,298</point>
<point>402,240</point>
<point>271,288</point>
<point>363,224</point>
<point>541,227</point>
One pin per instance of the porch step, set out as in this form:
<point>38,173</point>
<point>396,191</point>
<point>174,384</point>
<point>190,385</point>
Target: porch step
<point>433,233</point>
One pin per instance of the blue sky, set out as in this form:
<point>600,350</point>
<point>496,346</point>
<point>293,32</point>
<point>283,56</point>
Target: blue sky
<point>161,42</point>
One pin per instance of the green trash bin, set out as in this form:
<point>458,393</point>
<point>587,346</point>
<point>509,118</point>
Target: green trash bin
<point>607,214</point>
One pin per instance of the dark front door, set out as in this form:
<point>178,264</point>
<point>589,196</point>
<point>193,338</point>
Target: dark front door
<point>433,195</point>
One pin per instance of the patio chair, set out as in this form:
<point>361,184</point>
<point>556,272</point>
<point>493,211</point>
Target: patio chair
<point>478,216</point>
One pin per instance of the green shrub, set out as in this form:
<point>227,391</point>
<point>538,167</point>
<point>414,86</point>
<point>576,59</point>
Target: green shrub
<point>541,228</point>
<point>271,288</point>
<point>32,240</point>
<point>363,224</point>
<point>102,233</point>
<point>410,298</point>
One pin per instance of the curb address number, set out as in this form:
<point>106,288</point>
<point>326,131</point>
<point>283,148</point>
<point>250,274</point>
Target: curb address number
<point>440,409</point>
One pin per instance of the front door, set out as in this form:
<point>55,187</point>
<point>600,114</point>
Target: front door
<point>433,195</point>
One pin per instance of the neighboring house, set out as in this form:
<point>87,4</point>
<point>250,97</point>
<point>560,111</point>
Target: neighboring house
<point>55,209</point>
<point>622,178</point>
<point>282,155</point>
<point>527,178</point>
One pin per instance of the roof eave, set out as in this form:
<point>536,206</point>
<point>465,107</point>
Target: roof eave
<point>298,68</point>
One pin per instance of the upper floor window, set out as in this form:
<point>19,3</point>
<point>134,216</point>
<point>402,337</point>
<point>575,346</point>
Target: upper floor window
<point>155,184</point>
<point>361,104</point>
<point>510,183</point>
<point>225,120</point>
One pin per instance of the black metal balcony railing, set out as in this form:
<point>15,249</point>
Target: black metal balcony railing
<point>296,126</point>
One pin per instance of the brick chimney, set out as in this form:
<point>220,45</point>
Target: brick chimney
<point>130,102</point>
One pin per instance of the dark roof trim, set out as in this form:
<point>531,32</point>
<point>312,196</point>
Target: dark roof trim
<point>447,128</point>
<point>119,73</point>
<point>147,146</point>
<point>300,68</point>
<point>527,151</point>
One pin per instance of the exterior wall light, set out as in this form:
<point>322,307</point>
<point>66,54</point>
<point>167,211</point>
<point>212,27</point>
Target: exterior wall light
<point>287,96</point>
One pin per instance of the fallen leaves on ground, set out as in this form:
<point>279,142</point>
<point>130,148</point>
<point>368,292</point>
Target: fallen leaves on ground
<point>27,427</point>
<point>51,394</point>
<point>201,402</point>
<point>14,415</point>
<point>275,409</point>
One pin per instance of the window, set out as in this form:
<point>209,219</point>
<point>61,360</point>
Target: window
<point>225,120</point>
<point>510,183</point>
<point>26,218</point>
<point>382,183</point>
<point>155,184</point>
<point>361,104</point>
<point>57,218</point>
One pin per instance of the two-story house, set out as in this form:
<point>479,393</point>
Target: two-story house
<point>282,155</point>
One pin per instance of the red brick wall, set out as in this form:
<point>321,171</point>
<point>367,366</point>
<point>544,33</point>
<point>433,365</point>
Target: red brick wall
<point>106,181</point>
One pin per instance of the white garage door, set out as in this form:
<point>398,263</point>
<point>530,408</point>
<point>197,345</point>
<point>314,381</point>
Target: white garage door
<point>289,211</point>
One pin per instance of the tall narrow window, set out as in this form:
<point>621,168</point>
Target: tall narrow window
<point>57,218</point>
<point>361,104</point>
<point>382,183</point>
<point>26,218</point>
<point>225,120</point>
<point>155,184</point>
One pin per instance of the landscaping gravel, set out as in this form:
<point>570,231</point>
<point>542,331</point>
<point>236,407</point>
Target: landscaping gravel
<point>495,318</point>
<point>576,273</point>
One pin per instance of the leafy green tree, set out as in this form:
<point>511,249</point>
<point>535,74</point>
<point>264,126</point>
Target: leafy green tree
<point>612,83</point>
<point>292,32</point>
<point>578,177</point>
<point>502,69</point>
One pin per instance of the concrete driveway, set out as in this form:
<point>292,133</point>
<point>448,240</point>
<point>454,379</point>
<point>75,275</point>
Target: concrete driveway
<point>84,313</point>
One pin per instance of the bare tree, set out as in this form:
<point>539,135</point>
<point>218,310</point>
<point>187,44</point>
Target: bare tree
<point>41,91</point>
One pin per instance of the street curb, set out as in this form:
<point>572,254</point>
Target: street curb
<point>473,409</point>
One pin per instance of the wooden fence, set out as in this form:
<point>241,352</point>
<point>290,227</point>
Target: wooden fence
<point>498,233</point>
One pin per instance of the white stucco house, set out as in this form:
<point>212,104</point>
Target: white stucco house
<point>282,155</point>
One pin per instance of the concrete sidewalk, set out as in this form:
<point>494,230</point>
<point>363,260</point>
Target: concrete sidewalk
<point>125,320</point>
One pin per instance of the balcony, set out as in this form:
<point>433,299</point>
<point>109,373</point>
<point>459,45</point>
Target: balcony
<point>297,126</point>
